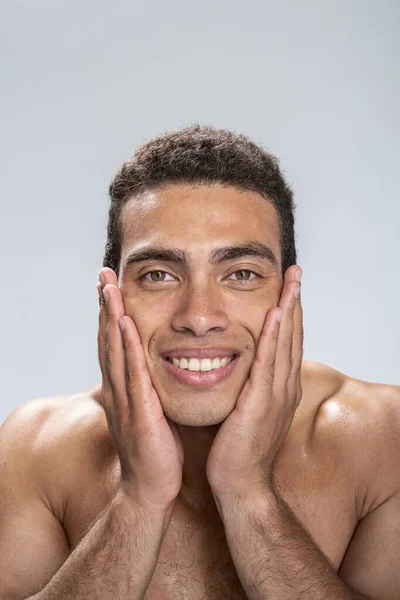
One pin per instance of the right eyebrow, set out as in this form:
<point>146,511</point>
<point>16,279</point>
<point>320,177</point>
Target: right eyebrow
<point>157,253</point>
<point>216,256</point>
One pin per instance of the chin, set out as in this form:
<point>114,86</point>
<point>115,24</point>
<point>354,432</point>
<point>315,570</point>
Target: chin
<point>196,416</point>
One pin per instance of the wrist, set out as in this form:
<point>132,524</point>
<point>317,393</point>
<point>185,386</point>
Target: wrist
<point>231,504</point>
<point>137,504</point>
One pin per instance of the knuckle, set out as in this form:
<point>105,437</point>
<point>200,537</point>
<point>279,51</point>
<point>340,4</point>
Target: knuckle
<point>126,342</point>
<point>269,379</point>
<point>102,302</point>
<point>269,373</point>
<point>129,374</point>
<point>109,358</point>
<point>275,334</point>
<point>301,337</point>
<point>101,340</point>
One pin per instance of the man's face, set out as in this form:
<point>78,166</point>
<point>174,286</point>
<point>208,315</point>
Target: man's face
<point>203,304</point>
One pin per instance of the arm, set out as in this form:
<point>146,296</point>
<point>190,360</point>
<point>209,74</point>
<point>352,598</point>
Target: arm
<point>275,557</point>
<point>117,557</point>
<point>33,544</point>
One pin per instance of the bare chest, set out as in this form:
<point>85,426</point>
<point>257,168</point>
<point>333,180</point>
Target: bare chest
<point>194,560</point>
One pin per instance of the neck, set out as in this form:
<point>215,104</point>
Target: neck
<point>197,441</point>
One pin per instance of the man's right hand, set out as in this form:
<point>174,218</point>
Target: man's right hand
<point>149,447</point>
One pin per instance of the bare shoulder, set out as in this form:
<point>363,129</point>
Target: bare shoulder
<point>319,380</point>
<point>361,420</point>
<point>69,441</point>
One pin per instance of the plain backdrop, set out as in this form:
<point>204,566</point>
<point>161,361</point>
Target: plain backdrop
<point>84,82</point>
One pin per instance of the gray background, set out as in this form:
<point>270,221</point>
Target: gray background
<point>83,83</point>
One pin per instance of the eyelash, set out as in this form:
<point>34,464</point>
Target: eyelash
<point>141,278</point>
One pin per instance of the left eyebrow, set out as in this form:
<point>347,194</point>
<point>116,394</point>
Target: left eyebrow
<point>216,256</point>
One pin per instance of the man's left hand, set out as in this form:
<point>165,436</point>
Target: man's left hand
<point>242,456</point>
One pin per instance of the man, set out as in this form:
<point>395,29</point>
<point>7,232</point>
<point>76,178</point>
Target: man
<point>211,461</point>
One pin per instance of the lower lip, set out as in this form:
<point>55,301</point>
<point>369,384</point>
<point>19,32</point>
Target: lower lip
<point>201,379</point>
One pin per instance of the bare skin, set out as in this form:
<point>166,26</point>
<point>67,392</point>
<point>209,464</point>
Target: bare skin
<point>327,473</point>
<point>337,467</point>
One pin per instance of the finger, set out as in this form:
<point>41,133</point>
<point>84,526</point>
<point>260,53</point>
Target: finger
<point>284,358</point>
<point>114,351</point>
<point>101,350</point>
<point>142,398</point>
<point>108,276</point>
<point>262,371</point>
<point>294,382</point>
<point>139,388</point>
<point>105,276</point>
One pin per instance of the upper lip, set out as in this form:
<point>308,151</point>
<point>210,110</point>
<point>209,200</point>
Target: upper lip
<point>214,352</point>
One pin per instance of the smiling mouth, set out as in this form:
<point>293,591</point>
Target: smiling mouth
<point>196,378</point>
<point>204,365</point>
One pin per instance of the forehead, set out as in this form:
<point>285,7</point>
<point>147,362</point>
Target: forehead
<point>198,216</point>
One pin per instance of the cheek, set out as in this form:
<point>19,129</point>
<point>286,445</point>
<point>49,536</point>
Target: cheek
<point>252,310</point>
<point>251,315</point>
<point>258,317</point>
<point>144,317</point>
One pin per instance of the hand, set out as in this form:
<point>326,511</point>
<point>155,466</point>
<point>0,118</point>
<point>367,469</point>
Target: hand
<point>242,455</point>
<point>149,447</point>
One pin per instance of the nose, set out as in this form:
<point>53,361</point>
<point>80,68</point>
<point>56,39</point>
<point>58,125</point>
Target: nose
<point>201,310</point>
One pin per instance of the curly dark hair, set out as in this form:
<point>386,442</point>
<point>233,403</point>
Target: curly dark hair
<point>201,154</point>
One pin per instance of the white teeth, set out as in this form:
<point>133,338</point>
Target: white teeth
<point>195,364</point>
<point>205,364</point>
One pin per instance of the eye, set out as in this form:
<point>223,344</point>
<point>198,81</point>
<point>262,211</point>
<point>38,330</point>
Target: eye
<point>157,279</point>
<point>245,280</point>
<point>159,276</point>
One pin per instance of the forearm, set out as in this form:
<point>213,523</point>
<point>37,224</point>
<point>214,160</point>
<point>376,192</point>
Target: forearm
<point>116,558</point>
<point>274,556</point>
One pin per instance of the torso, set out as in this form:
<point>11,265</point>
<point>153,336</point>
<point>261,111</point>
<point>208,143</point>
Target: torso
<point>313,475</point>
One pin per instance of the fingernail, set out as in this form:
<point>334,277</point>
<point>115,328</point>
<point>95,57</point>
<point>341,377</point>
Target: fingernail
<point>297,292</point>
<point>101,278</point>
<point>105,294</point>
<point>299,274</point>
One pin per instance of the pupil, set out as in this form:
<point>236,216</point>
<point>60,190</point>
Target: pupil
<point>157,279</point>
<point>244,271</point>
